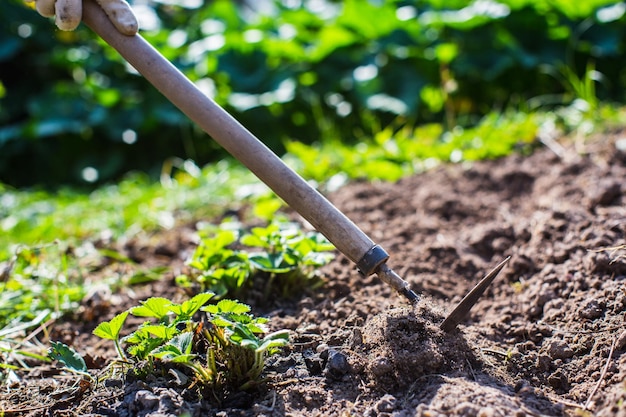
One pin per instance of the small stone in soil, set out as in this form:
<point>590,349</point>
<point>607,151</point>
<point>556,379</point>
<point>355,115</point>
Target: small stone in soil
<point>592,309</point>
<point>559,349</point>
<point>113,383</point>
<point>337,365</point>
<point>558,380</point>
<point>386,404</point>
<point>314,363</point>
<point>145,400</point>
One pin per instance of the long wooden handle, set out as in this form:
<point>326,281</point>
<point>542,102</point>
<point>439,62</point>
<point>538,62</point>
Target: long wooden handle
<point>231,135</point>
<point>240,143</point>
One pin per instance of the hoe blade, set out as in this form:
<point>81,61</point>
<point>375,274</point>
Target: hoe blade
<point>466,304</point>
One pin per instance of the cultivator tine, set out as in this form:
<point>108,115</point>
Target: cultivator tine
<point>466,304</point>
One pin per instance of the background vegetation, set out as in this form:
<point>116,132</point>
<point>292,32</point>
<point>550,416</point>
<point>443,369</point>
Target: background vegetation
<point>71,112</point>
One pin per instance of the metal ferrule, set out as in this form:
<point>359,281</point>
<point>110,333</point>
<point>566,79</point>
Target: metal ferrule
<point>370,262</point>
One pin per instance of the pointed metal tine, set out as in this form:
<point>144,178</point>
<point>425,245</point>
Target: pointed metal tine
<point>466,304</point>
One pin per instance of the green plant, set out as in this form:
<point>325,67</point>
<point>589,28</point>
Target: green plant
<point>315,76</point>
<point>227,260</point>
<point>225,350</point>
<point>397,151</point>
<point>30,217</point>
<point>111,330</point>
<point>70,359</point>
<point>583,87</point>
<point>38,283</point>
<point>241,350</point>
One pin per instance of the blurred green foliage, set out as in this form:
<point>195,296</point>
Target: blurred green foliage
<point>134,204</point>
<point>397,152</point>
<point>71,111</point>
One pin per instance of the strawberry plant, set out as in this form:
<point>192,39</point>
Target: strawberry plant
<point>225,350</point>
<point>236,332</point>
<point>228,261</point>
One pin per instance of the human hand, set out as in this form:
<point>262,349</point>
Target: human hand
<point>68,13</point>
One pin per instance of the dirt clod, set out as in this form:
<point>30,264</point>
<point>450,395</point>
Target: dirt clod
<point>403,344</point>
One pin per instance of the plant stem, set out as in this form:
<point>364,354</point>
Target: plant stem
<point>119,350</point>
<point>205,374</point>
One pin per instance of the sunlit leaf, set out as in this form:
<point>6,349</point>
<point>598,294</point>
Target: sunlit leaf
<point>111,329</point>
<point>159,330</point>
<point>228,306</point>
<point>156,307</point>
<point>189,307</point>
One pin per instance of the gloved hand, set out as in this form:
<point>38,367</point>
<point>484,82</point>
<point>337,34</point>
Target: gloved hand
<point>68,13</point>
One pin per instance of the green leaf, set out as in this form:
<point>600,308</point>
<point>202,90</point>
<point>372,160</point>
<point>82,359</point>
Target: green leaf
<point>156,307</point>
<point>159,330</point>
<point>321,244</point>
<point>257,325</point>
<point>318,259</point>
<point>115,255</point>
<point>188,308</point>
<point>269,262</point>
<point>168,352</point>
<point>249,344</point>
<point>67,356</point>
<point>254,240</point>
<point>240,334</point>
<point>184,342</point>
<point>111,329</point>
<point>144,347</point>
<point>183,358</point>
<point>267,208</point>
<point>221,322</point>
<point>270,345</point>
<point>179,346</point>
<point>147,275</point>
<point>224,237</point>
<point>165,352</point>
<point>221,281</point>
<point>446,52</point>
<point>137,336</point>
<point>228,306</point>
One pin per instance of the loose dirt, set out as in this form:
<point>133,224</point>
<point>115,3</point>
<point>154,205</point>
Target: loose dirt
<point>547,338</point>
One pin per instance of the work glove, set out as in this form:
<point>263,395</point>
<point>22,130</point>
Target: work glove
<point>68,13</point>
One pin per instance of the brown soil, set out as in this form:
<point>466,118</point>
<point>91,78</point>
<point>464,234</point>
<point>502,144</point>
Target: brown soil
<point>547,338</point>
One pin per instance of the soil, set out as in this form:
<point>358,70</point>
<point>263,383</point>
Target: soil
<point>547,337</point>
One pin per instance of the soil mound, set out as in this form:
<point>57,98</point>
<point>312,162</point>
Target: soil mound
<point>401,345</point>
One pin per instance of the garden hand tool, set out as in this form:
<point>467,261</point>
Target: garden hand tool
<point>369,257</point>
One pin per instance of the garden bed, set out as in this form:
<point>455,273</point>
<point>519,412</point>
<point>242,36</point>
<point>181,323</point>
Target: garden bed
<point>547,338</point>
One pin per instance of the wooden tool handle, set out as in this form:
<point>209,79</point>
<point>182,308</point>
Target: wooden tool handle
<point>231,135</point>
